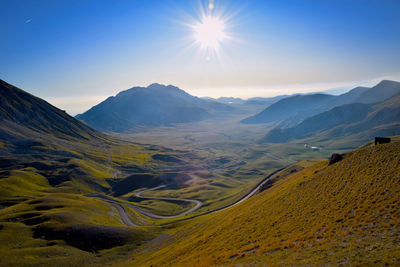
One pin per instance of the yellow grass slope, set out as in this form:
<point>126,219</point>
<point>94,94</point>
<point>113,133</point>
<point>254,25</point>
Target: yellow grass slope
<point>345,213</point>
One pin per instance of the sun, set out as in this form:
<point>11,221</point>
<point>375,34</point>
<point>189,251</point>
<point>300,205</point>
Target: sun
<point>210,32</point>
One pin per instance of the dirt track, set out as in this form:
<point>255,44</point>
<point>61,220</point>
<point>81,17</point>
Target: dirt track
<point>119,205</point>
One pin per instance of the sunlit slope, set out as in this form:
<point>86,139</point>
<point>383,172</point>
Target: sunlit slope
<point>345,213</point>
<point>64,230</point>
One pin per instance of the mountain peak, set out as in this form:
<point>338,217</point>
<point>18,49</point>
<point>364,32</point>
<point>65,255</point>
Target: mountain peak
<point>380,92</point>
<point>153,86</point>
<point>386,83</point>
<point>158,86</point>
<point>154,105</point>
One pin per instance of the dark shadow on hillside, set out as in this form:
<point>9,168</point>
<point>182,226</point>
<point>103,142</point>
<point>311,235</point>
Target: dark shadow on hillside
<point>87,237</point>
<point>166,158</point>
<point>132,182</point>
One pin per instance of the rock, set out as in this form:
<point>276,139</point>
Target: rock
<point>335,158</point>
<point>266,185</point>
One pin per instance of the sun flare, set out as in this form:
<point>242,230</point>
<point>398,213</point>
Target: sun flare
<point>210,32</point>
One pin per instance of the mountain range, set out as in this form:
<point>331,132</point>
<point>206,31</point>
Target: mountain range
<point>292,117</point>
<point>153,105</point>
<point>265,101</point>
<point>292,110</point>
<point>303,105</point>
<point>363,120</point>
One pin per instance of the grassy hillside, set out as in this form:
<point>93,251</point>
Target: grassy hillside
<point>45,218</point>
<point>64,230</point>
<point>51,165</point>
<point>68,194</point>
<point>344,213</point>
<point>49,162</point>
<point>44,150</point>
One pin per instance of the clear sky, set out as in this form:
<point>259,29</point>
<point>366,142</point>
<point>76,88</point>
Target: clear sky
<point>75,53</point>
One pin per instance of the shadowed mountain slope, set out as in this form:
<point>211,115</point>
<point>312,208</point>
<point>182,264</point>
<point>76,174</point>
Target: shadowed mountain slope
<point>154,105</point>
<point>304,104</point>
<point>364,120</point>
<point>19,110</point>
<point>380,92</point>
<point>265,101</point>
<point>291,111</point>
<point>346,213</point>
<point>228,100</point>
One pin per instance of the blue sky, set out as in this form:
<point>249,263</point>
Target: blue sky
<point>75,53</point>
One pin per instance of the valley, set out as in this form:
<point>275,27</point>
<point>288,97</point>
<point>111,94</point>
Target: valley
<point>200,133</point>
<point>321,213</point>
<point>153,194</point>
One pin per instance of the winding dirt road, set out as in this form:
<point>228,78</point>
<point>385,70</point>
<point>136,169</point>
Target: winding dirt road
<point>119,205</point>
<point>155,216</point>
<point>125,218</point>
<point>123,214</point>
<point>252,192</point>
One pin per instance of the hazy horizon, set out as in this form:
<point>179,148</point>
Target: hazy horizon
<point>76,54</point>
<point>77,105</point>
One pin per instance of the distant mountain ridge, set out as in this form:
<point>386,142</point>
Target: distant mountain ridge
<point>265,100</point>
<point>153,106</point>
<point>229,100</point>
<point>379,92</point>
<point>292,110</point>
<point>363,120</point>
<point>291,106</point>
<point>251,101</point>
